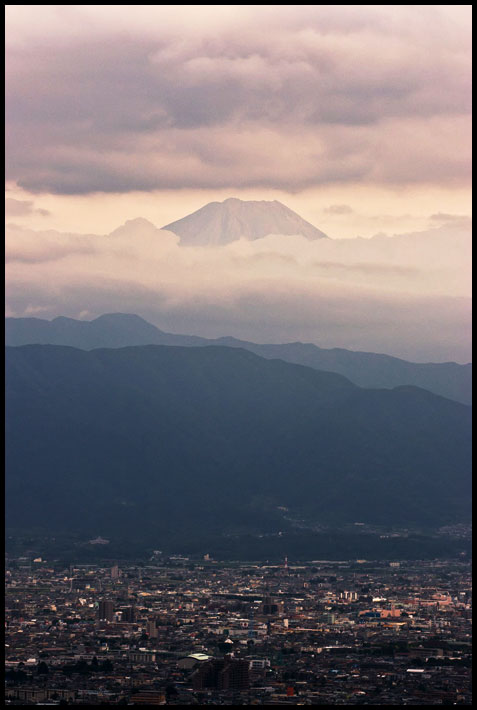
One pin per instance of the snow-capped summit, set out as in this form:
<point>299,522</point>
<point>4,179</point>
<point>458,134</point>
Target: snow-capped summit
<point>232,219</point>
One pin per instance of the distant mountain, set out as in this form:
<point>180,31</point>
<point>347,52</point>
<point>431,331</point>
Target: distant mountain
<point>149,440</point>
<point>447,379</point>
<point>227,221</point>
<point>112,330</point>
<point>116,330</point>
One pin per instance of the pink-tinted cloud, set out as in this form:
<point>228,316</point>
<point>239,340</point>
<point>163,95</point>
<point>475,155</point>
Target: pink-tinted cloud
<point>406,295</point>
<point>22,208</point>
<point>259,96</point>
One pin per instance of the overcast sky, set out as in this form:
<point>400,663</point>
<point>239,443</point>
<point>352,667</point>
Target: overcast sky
<point>355,116</point>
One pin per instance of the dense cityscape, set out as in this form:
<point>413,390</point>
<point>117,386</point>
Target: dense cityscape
<point>178,631</point>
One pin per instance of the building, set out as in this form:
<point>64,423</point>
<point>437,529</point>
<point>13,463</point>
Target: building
<point>106,610</point>
<point>270,608</point>
<point>151,629</point>
<point>192,660</point>
<point>223,674</point>
<point>129,614</point>
<point>148,697</point>
<point>142,656</point>
<point>349,596</point>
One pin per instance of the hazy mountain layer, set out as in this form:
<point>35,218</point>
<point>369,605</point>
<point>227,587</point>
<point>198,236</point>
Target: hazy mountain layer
<point>365,369</point>
<point>146,440</point>
<point>225,222</point>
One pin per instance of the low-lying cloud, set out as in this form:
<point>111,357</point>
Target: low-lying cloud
<point>407,295</point>
<point>338,209</point>
<point>22,208</point>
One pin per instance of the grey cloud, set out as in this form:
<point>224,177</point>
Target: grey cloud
<point>52,253</point>
<point>338,209</point>
<point>379,269</point>
<point>445,217</point>
<point>455,220</point>
<point>26,246</point>
<point>26,297</point>
<point>416,329</point>
<point>249,155</point>
<point>137,112</point>
<point>394,294</point>
<point>22,208</point>
<point>266,258</point>
<point>420,329</point>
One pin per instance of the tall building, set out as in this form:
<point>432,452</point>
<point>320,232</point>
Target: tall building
<point>115,573</point>
<point>129,614</point>
<point>223,674</point>
<point>106,610</point>
<point>270,608</point>
<point>151,629</point>
<point>235,675</point>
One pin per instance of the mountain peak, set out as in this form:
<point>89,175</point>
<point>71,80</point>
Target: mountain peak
<point>224,222</point>
<point>132,227</point>
<point>120,318</point>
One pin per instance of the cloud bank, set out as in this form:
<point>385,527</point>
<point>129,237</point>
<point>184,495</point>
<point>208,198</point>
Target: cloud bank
<point>153,97</point>
<point>407,295</point>
<point>22,208</point>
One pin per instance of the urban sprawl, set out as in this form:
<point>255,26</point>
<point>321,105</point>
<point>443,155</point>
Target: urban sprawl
<point>179,631</point>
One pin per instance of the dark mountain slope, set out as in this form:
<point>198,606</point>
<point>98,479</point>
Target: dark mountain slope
<point>364,369</point>
<point>112,330</point>
<point>146,440</point>
<point>448,379</point>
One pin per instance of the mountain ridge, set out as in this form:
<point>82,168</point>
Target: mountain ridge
<point>365,369</point>
<point>146,439</point>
